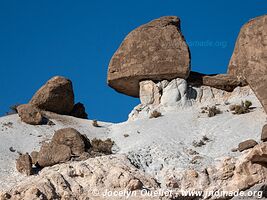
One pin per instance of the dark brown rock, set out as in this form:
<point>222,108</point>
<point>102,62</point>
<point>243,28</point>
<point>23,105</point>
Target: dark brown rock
<point>30,115</point>
<point>102,146</point>
<point>55,96</point>
<point>264,133</point>
<point>79,111</point>
<point>154,51</point>
<point>247,145</point>
<point>66,143</point>
<point>249,59</point>
<point>24,164</point>
<point>71,138</point>
<point>220,81</point>
<point>51,154</point>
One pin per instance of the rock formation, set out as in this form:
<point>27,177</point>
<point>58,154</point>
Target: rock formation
<point>154,51</point>
<point>55,96</point>
<point>220,81</point>
<point>65,143</point>
<point>249,59</point>
<point>30,115</point>
<point>79,111</point>
<point>86,179</point>
<point>171,95</point>
<point>24,164</point>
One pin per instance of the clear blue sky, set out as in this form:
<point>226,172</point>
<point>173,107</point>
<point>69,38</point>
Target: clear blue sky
<point>76,39</point>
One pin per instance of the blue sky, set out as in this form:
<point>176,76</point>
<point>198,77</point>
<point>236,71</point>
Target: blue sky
<point>76,39</point>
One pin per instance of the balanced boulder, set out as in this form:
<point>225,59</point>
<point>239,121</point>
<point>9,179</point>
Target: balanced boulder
<point>155,51</point>
<point>30,114</point>
<point>56,96</point>
<point>249,60</point>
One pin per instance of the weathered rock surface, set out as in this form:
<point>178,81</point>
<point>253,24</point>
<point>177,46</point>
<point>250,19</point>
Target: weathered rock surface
<point>154,51</point>
<point>30,115</point>
<point>167,96</point>
<point>92,177</point>
<point>249,59</point>
<point>65,143</point>
<point>258,154</point>
<point>264,133</point>
<point>86,180</point>
<point>149,93</point>
<point>247,145</point>
<point>71,138</point>
<point>51,154</point>
<point>220,81</point>
<point>56,96</point>
<point>173,92</point>
<point>24,164</point>
<point>79,111</point>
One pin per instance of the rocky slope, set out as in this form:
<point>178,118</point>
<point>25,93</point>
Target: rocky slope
<point>184,149</point>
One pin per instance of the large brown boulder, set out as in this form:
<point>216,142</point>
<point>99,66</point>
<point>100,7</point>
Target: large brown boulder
<point>220,81</point>
<point>51,154</point>
<point>30,115</point>
<point>66,142</point>
<point>71,138</point>
<point>154,51</point>
<point>249,60</point>
<point>56,96</point>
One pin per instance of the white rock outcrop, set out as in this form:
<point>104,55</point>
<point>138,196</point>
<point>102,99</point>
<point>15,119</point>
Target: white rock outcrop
<point>177,94</point>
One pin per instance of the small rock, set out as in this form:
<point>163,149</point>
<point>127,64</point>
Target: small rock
<point>264,133</point>
<point>34,156</point>
<point>24,164</point>
<point>103,146</point>
<point>247,145</point>
<point>134,184</point>
<point>50,123</point>
<point>198,143</point>
<point>95,123</point>
<point>12,149</point>
<point>5,196</point>
<point>234,149</point>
